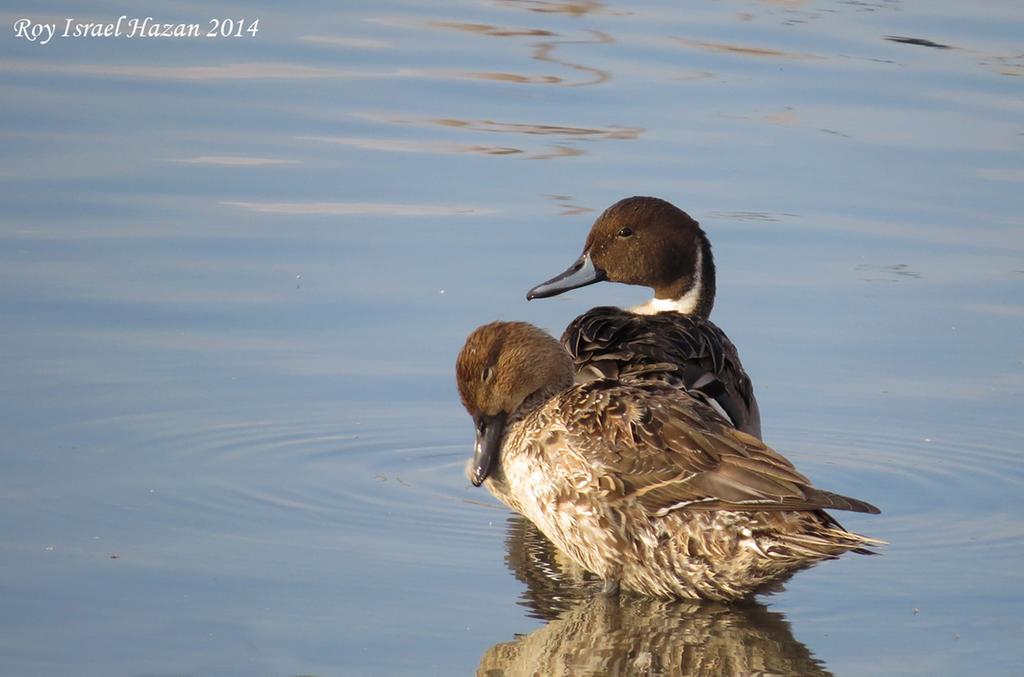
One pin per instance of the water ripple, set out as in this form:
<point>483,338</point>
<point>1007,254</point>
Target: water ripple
<point>925,486</point>
<point>316,478</point>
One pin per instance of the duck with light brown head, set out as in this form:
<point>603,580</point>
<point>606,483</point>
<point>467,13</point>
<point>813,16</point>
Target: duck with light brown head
<point>649,242</point>
<point>639,482</point>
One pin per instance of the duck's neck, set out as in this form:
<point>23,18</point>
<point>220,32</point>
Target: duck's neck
<point>690,295</point>
<point>538,399</point>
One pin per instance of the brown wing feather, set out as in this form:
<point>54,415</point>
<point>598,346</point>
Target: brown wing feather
<point>670,451</point>
<point>678,349</point>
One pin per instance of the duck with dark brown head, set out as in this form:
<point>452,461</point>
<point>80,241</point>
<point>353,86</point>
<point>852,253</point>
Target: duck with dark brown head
<point>649,242</point>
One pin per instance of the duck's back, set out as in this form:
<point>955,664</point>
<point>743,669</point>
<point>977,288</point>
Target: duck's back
<point>641,483</point>
<point>682,350</point>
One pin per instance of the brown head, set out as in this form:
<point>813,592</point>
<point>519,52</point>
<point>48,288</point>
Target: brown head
<point>502,365</point>
<point>649,242</point>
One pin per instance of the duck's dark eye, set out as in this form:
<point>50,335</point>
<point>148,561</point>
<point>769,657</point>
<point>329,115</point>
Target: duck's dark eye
<point>487,375</point>
<point>625,232</point>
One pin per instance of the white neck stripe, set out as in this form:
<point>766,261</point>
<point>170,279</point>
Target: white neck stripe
<point>685,304</point>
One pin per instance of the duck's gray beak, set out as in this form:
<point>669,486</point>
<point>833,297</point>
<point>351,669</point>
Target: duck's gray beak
<point>489,431</point>
<point>580,274</point>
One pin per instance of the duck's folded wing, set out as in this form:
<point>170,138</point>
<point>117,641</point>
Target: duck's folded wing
<point>667,451</point>
<point>682,350</point>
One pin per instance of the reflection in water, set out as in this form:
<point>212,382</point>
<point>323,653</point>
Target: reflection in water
<point>569,209</point>
<point>609,132</point>
<point>558,151</point>
<point>747,216</point>
<point>1005,64</point>
<point>517,78</point>
<point>548,152</point>
<point>554,583</point>
<point>785,116</point>
<point>357,208</point>
<point>1010,65</point>
<point>234,161</point>
<point>592,634</point>
<point>347,42</point>
<point>412,146</point>
<point>727,48</point>
<point>231,71</point>
<point>788,4</point>
<point>493,31</point>
<point>889,273</point>
<point>542,51</point>
<point>578,8</point>
<point>921,42</point>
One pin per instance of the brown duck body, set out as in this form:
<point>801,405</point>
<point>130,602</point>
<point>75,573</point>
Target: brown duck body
<point>644,485</point>
<point>639,482</point>
<point>679,350</point>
